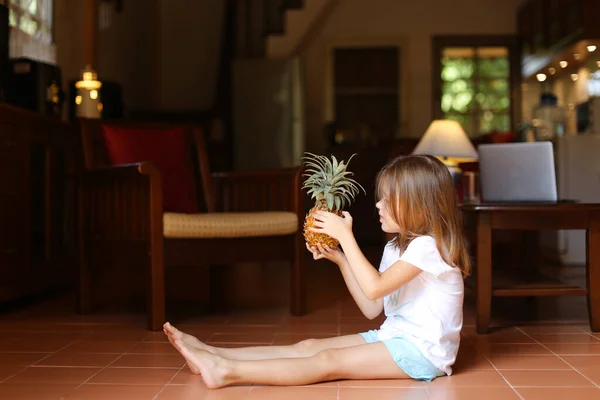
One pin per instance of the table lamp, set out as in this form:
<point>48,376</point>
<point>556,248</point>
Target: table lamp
<point>447,140</point>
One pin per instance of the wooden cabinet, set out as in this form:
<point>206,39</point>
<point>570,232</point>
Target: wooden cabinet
<point>37,155</point>
<point>549,28</point>
<point>551,25</point>
<point>525,29</point>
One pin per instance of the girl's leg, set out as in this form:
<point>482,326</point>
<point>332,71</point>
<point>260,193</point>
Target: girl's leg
<point>305,348</point>
<point>366,361</point>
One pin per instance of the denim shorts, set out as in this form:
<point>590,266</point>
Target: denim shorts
<point>407,356</point>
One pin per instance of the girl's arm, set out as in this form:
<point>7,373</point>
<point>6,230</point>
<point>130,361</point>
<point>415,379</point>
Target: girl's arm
<point>372,284</point>
<point>370,308</point>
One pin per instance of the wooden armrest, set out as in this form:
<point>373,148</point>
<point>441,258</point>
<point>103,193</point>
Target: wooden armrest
<point>119,171</point>
<point>120,201</point>
<point>265,190</point>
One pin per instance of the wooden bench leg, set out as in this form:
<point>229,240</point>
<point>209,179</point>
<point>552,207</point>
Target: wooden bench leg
<point>156,287</point>
<point>84,292</point>
<point>298,278</point>
<point>84,288</point>
<point>593,271</point>
<point>484,272</point>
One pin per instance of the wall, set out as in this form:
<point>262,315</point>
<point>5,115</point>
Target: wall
<point>127,51</point>
<point>165,53</point>
<point>413,22</point>
<point>68,36</point>
<point>190,44</point>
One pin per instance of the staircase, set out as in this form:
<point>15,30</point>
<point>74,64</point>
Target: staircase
<point>278,28</point>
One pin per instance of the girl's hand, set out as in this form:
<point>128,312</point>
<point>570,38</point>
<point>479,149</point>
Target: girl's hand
<point>332,224</point>
<point>333,255</point>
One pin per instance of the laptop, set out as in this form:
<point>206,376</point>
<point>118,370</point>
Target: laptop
<point>517,172</point>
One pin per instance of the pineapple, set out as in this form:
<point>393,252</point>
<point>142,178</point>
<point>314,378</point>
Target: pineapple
<point>328,183</point>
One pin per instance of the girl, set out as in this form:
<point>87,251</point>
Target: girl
<point>419,286</point>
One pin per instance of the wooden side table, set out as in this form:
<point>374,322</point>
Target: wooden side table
<point>535,217</point>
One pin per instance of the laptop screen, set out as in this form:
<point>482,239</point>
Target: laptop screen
<point>517,172</point>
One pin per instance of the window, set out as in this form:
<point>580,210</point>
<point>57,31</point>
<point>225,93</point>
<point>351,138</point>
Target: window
<point>474,81</point>
<point>33,17</point>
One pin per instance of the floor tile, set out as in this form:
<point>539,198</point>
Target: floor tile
<point>153,348</point>
<point>39,391</point>
<point>257,318</point>
<point>103,392</point>
<point>200,392</point>
<point>551,329</point>
<point>469,358</point>
<point>574,349</point>
<point>292,393</point>
<point>101,346</point>
<point>31,345</point>
<point>66,358</point>
<point>55,375</point>
<point>8,371</point>
<point>24,359</point>
<point>155,337</point>
<point>134,376</point>
<point>471,393</point>
<point>565,338</point>
<point>510,336</point>
<point>592,373</point>
<point>554,393</point>
<point>150,360</point>
<point>493,349</point>
<point>120,335</point>
<point>489,379</point>
<point>585,361</point>
<point>534,362</point>
<point>383,393</point>
<point>545,378</point>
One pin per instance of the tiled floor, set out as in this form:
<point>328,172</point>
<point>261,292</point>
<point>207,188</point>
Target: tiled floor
<point>49,352</point>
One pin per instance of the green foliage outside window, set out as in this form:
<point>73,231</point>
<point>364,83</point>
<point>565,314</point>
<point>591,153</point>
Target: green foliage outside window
<point>476,91</point>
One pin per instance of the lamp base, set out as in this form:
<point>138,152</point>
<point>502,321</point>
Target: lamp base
<point>455,173</point>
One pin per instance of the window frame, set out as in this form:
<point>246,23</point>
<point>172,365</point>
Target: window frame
<point>511,42</point>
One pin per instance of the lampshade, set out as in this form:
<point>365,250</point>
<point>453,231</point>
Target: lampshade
<point>446,138</point>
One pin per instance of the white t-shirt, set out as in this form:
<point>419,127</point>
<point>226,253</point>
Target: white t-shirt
<point>428,310</point>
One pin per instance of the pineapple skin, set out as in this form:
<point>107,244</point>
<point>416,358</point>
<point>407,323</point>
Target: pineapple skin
<point>313,238</point>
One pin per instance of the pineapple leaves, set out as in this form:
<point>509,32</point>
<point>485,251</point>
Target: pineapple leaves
<point>330,201</point>
<point>328,180</point>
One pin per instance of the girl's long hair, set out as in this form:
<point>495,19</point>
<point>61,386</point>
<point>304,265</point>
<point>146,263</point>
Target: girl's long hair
<point>421,198</point>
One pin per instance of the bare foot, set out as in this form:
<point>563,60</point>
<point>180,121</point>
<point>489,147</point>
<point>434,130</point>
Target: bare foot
<point>214,369</point>
<point>192,341</point>
<point>174,334</point>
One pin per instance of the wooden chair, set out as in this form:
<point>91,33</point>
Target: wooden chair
<point>248,216</point>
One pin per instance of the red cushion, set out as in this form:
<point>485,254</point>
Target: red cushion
<point>167,150</point>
